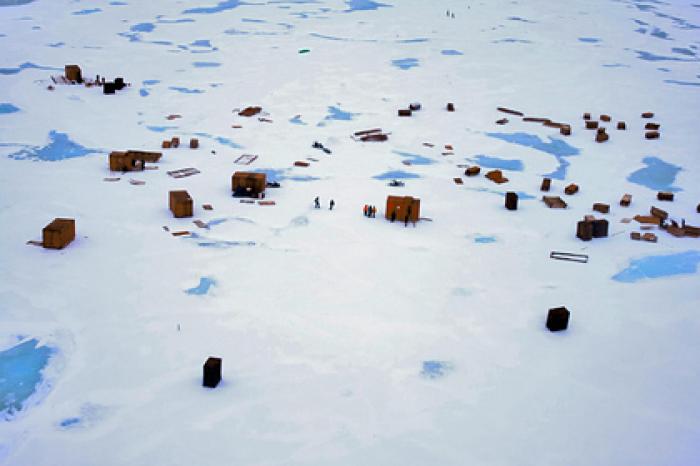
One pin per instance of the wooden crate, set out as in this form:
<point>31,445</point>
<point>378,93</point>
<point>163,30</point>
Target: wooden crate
<point>73,73</point>
<point>554,202</point>
<point>59,233</point>
<point>402,206</point>
<point>511,200</point>
<point>546,184</point>
<point>472,171</point>
<point>248,184</point>
<point>405,112</point>
<point>602,208</point>
<point>664,196</point>
<point>584,230</point>
<point>571,189</point>
<point>181,204</point>
<point>600,228</point>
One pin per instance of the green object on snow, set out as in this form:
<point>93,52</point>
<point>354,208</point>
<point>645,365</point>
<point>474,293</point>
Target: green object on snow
<point>304,50</point>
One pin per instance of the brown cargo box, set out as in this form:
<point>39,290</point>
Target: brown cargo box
<point>650,219</point>
<point>635,235</point>
<point>554,202</point>
<point>621,125</point>
<point>605,118</point>
<point>546,184</point>
<point>652,126</point>
<point>626,200</point>
<point>584,230</point>
<point>586,116</point>
<point>73,73</point>
<point>211,372</point>
<point>250,111</point>
<point>194,143</point>
<point>658,213</point>
<point>165,145</point>
<point>558,319</point>
<point>648,115</point>
<point>472,171</point>
<point>571,189</point>
<point>405,112</point>
<point>181,204</point>
<point>600,228</point>
<point>402,205</point>
<point>248,184</point>
<point>496,176</point>
<point>601,136</point>
<point>664,196</point>
<point>59,233</point>
<point>511,200</point>
<point>565,130</point>
<point>650,237</point>
<point>450,107</point>
<point>652,135</point>
<point>591,124</point>
<point>602,208</point>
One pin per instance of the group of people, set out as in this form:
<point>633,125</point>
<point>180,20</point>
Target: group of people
<point>370,211</point>
<point>317,203</point>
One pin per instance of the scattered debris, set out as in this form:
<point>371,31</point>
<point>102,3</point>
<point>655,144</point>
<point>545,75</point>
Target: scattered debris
<point>652,126</point>
<point>58,234</point>
<point>318,145</point>
<point>245,159</point>
<point>648,115</point>
<point>183,172</point>
<point>236,126</point>
<point>664,196</point>
<point>569,256</point>
<point>405,112</point>
<point>181,204</point>
<point>586,116</point>
<point>272,184</point>
<point>509,111</point>
<point>250,111</point>
<point>648,237</point>
<point>181,233</point>
<point>537,120</point>
<point>502,121</point>
<point>201,224</point>
<point>450,107</point>
<point>496,176</point>
<point>304,50</point>
<point>458,180</point>
<point>371,135</point>
<point>621,125</point>
<point>652,135</point>
<point>173,116</point>
<point>605,118</point>
<point>111,179</point>
<point>194,143</point>
<point>428,144</point>
<point>266,202</point>
<point>166,228</point>
<point>301,163</point>
<point>591,124</point>
<point>265,120</point>
<point>558,319</point>
<point>32,242</point>
<point>565,130</point>
<point>396,183</point>
<point>136,182</point>
<point>554,202</point>
<point>415,106</point>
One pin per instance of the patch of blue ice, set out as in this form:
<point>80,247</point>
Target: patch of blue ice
<point>396,175</point>
<point>21,373</point>
<point>681,83</point>
<point>56,44</point>
<point>405,63</point>
<point>589,40</point>
<point>435,369</point>
<point>657,175</point>
<point>70,422</point>
<point>518,18</point>
<point>88,11</point>
<point>150,82</point>
<point>659,266</point>
<point>415,159</point>
<point>511,40</point>
<point>205,283</point>
<point>297,120</point>
<point>364,5</point>
<point>206,64</point>
<point>336,113</point>
<point>185,90</point>
<point>143,92</point>
<point>556,147</point>
<point>413,41</point>
<point>201,43</point>
<point>497,162</point>
<point>648,56</point>
<point>659,34</point>
<point>60,147</point>
<point>27,66</point>
<point>221,140</point>
<point>218,8</point>
<point>683,51</point>
<point>451,52</point>
<point>485,239</point>
<point>160,129</point>
<point>6,108</point>
<point>143,27</point>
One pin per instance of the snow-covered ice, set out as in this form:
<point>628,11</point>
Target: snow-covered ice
<point>348,340</point>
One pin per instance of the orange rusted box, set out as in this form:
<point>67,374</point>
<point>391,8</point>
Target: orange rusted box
<point>166,145</point>
<point>591,124</point>
<point>565,130</point>
<point>546,184</point>
<point>605,118</point>
<point>402,205</point>
<point>59,233</point>
<point>621,125</point>
<point>181,204</point>
<point>472,171</point>
<point>248,184</point>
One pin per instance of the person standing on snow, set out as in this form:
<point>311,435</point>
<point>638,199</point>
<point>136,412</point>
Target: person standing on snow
<point>317,202</point>
<point>332,204</point>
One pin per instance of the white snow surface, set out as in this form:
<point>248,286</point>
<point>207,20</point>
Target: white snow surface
<point>325,320</point>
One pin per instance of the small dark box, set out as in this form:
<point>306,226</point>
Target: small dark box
<point>511,200</point>
<point>558,319</point>
<point>600,228</point>
<point>584,230</point>
<point>109,88</point>
<point>212,372</point>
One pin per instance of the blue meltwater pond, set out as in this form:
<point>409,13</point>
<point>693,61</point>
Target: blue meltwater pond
<point>21,369</point>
